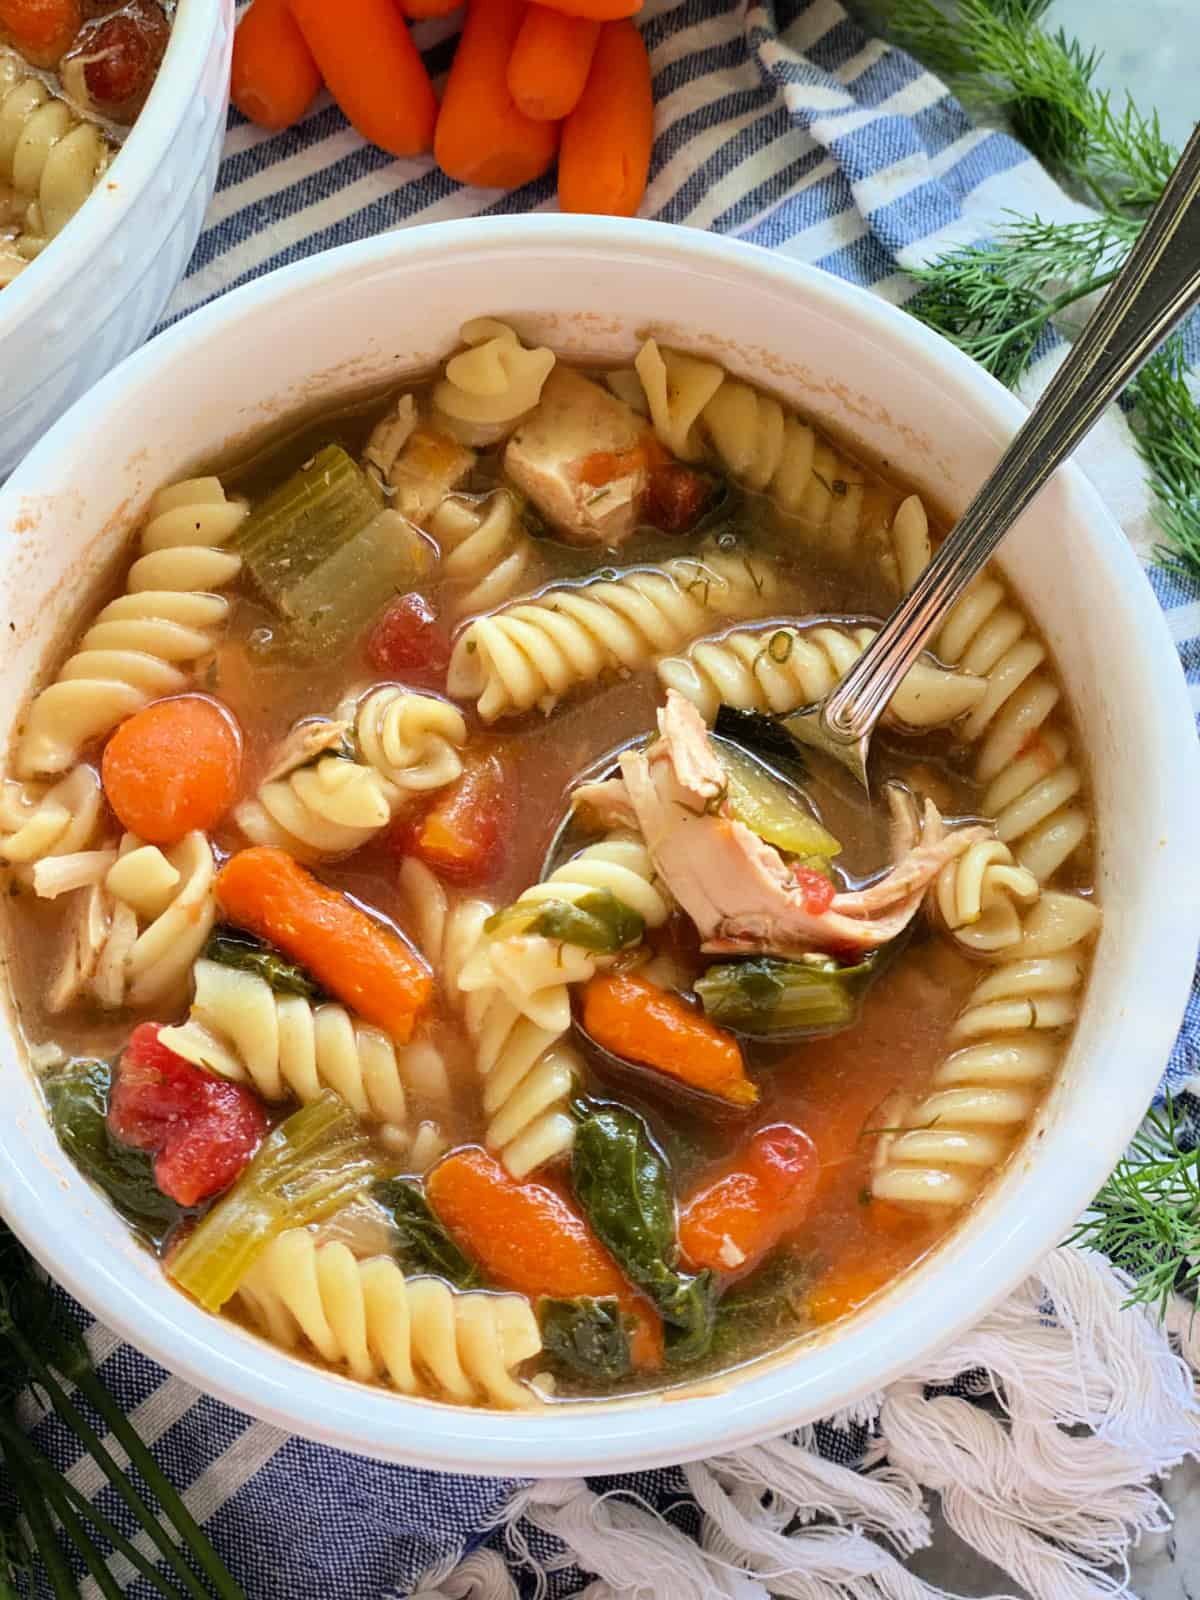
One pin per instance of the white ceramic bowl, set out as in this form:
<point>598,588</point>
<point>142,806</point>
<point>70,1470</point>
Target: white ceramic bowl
<point>375,310</point>
<point>95,293</point>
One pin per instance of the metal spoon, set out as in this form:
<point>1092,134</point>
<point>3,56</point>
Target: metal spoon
<point>1157,287</point>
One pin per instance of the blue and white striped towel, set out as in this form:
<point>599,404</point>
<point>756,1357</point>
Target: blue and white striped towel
<point>787,127</point>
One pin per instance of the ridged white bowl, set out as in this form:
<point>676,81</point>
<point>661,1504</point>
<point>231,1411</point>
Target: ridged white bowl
<point>94,294</point>
<point>373,311</point>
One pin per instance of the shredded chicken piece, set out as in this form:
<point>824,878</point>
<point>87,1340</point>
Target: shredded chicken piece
<point>739,890</point>
<point>304,743</point>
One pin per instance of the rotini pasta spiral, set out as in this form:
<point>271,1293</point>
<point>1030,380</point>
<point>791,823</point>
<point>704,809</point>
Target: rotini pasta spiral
<point>694,403</point>
<point>533,652</point>
<point>528,1072</point>
<point>136,649</point>
<point>411,740</point>
<point>50,157</point>
<point>677,388</point>
<point>1008,1040</point>
<point>1023,759</point>
<point>417,1334</point>
<point>132,938</point>
<point>534,972</point>
<point>491,385</point>
<point>980,895</point>
<point>486,553</point>
<point>781,668</point>
<point>320,801</point>
<point>287,1047</point>
<point>40,820</point>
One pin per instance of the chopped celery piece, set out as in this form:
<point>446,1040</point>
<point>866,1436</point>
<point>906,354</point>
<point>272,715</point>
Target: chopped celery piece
<point>301,523</point>
<point>766,995</point>
<point>339,598</point>
<point>595,921</point>
<point>764,736</point>
<point>312,1164</point>
<point>770,807</point>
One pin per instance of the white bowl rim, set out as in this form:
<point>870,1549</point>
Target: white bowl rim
<point>135,165</point>
<point>214,1357</point>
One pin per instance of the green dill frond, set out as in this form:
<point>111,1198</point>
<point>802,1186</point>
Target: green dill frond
<point>1166,425</point>
<point>993,52</point>
<point>997,301</point>
<point>1146,1218</point>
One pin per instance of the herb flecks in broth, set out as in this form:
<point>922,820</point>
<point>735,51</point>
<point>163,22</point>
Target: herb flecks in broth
<point>548,1108</point>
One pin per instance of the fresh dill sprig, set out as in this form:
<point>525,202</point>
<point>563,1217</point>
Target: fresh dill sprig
<point>1147,1216</point>
<point>1166,426</point>
<point>994,51</point>
<point>39,1347</point>
<point>997,301</point>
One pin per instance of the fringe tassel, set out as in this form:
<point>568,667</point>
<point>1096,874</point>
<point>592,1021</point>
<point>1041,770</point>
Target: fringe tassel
<point>1076,1406</point>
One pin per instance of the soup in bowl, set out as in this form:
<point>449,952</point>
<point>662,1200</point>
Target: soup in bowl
<point>428,934</point>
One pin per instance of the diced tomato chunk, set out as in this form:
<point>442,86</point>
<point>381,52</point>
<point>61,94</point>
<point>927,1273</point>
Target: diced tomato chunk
<point>119,56</point>
<point>676,497</point>
<point>409,637</point>
<point>817,889</point>
<point>466,834</point>
<point>202,1128</point>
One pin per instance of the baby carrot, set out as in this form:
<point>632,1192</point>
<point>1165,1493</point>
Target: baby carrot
<point>549,64</point>
<point>733,1219</point>
<point>275,78</point>
<point>41,30</point>
<point>365,55</point>
<point>636,1019</point>
<point>429,8</point>
<point>172,767</point>
<point>528,1236</point>
<point>605,157</point>
<point>598,10</point>
<point>481,136</point>
<point>352,955</point>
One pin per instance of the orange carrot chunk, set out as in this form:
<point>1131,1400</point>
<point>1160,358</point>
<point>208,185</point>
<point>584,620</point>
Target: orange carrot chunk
<point>349,953</point>
<point>549,65</point>
<point>598,10</point>
<point>275,78</point>
<point>636,1019</point>
<point>173,767</point>
<point>606,143</point>
<point>847,1286</point>
<point>429,8</point>
<point>528,1236</point>
<point>373,69</point>
<point>734,1218</point>
<point>481,136</point>
<point>41,30</point>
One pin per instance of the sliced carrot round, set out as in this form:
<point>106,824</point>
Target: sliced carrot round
<point>173,767</point>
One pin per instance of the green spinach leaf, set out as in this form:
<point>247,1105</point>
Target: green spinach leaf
<point>586,1336</point>
<point>424,1245</point>
<point>78,1101</point>
<point>624,1186</point>
<point>233,948</point>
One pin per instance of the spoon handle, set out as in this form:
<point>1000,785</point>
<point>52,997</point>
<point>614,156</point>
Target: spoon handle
<point>1158,285</point>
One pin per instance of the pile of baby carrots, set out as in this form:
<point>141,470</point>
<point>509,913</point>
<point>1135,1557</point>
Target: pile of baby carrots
<point>530,82</point>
